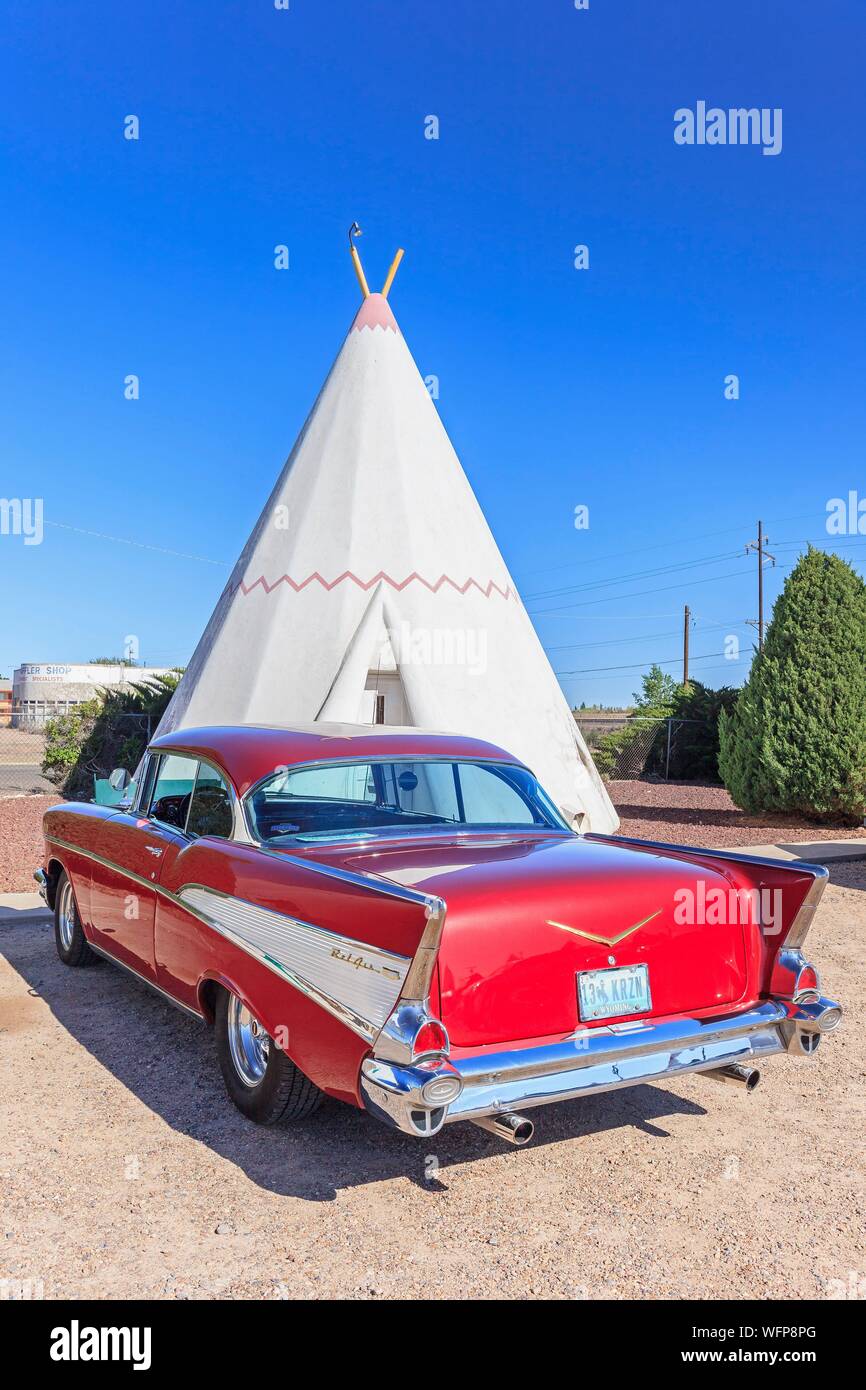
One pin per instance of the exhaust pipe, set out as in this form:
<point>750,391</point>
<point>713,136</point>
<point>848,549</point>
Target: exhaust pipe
<point>736,1075</point>
<point>514,1129</point>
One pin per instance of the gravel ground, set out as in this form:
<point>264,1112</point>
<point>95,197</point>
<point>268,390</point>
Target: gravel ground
<point>21,840</point>
<point>696,814</point>
<point>125,1172</point>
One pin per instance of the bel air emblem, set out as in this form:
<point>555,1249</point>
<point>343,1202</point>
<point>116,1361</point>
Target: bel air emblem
<point>359,963</point>
<point>606,940</point>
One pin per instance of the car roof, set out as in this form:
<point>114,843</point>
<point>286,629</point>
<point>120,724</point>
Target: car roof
<point>248,752</point>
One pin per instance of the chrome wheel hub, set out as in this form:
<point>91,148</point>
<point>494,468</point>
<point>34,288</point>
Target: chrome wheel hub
<point>248,1043</point>
<point>66,916</point>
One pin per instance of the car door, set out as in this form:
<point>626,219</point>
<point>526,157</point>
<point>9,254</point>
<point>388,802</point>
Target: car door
<point>184,949</point>
<point>131,848</point>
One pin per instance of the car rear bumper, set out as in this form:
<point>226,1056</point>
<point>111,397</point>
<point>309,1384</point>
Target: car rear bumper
<point>591,1061</point>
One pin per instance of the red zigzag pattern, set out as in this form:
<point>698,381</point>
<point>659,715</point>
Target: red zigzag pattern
<point>397,584</point>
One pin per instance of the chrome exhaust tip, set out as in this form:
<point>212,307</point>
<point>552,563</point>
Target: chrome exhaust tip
<point>736,1075</point>
<point>514,1129</point>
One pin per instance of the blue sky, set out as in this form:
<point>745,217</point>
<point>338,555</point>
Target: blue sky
<point>559,387</point>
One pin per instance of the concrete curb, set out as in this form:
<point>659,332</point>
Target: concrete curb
<point>827,852</point>
<point>22,907</point>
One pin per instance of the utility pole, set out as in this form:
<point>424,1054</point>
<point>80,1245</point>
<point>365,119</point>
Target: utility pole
<point>762,554</point>
<point>686,621</point>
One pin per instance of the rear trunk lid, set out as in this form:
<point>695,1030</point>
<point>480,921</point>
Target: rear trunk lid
<point>526,915</point>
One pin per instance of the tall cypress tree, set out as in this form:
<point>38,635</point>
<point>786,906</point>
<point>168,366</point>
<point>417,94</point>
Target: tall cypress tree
<point>796,739</point>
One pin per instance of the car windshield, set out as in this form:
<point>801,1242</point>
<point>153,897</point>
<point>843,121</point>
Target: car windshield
<point>371,798</point>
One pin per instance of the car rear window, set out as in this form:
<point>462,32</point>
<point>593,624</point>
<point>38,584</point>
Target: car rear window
<point>370,798</point>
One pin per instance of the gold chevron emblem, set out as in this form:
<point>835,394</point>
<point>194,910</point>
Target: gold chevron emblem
<point>606,940</point>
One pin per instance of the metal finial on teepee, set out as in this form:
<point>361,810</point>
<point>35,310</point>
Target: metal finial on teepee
<point>354,231</point>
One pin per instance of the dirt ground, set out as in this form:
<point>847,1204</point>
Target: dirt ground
<point>125,1172</point>
<point>21,840</point>
<point>693,813</point>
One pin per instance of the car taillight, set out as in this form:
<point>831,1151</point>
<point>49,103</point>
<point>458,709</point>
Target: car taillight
<point>430,1038</point>
<point>807,984</point>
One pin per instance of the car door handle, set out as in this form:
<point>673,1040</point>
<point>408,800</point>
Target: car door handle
<point>153,849</point>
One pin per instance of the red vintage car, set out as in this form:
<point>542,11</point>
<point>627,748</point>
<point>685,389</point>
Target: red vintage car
<point>404,921</point>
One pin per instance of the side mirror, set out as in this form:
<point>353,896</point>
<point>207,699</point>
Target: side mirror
<point>119,779</point>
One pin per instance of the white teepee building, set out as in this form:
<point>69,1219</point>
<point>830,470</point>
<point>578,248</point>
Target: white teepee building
<point>372,590</point>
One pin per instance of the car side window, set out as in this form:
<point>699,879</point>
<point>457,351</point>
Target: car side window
<point>173,790</point>
<point>140,799</point>
<point>210,808</point>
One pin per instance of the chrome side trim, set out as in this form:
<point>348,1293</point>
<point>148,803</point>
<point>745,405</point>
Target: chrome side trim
<point>110,864</point>
<point>364,1027</point>
<point>136,975</point>
<point>357,982</point>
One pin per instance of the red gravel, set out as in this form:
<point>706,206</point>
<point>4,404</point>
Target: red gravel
<point>683,812</point>
<point>692,813</point>
<point>21,841</point>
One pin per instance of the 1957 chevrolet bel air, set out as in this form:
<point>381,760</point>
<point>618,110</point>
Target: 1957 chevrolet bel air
<point>404,921</point>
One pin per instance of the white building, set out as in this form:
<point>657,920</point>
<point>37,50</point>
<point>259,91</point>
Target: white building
<point>41,689</point>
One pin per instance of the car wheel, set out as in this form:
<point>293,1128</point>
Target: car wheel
<point>261,1080</point>
<point>72,945</point>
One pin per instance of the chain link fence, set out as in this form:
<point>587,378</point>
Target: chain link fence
<point>623,748</point>
<point>115,742</point>
<point>640,746</point>
<point>21,753</point>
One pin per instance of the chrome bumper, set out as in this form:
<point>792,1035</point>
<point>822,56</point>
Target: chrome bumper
<point>591,1061</point>
<point>42,879</point>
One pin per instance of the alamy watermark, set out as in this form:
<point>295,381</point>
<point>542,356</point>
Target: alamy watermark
<point>846,516</point>
<point>22,516</point>
<point>738,125</point>
<point>709,906</point>
<point>441,646</point>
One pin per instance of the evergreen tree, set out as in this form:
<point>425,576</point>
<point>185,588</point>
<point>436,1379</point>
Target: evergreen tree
<point>796,738</point>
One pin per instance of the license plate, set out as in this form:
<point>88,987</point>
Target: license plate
<point>614,993</point>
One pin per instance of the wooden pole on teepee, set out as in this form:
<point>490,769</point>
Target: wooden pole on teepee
<point>395,266</point>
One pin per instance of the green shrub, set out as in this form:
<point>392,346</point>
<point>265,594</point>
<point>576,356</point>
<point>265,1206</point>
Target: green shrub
<point>629,750</point>
<point>65,735</point>
<point>796,739</point>
<point>641,745</point>
<point>694,752</point>
<point>102,734</point>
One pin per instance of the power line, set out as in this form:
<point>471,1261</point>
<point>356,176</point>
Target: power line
<point>636,574</point>
<point>637,665</point>
<point>639,593</point>
<point>665,545</point>
<point>139,545</point>
<point>611,642</point>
